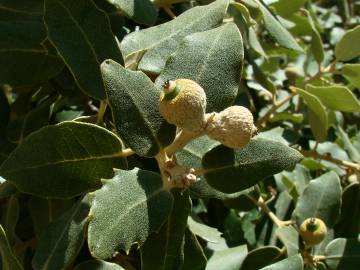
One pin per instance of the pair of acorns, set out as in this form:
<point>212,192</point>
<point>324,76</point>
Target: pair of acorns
<point>183,103</point>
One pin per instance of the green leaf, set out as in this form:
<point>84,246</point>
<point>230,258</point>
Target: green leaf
<point>262,78</point>
<point>35,119</point>
<point>81,33</point>
<point>335,97</point>
<point>194,257</point>
<point>294,263</point>
<point>289,236</point>
<point>25,6</point>
<point>21,30</point>
<point>205,232</point>
<point>21,49</point>
<point>62,240</point>
<point>66,160</point>
<point>214,64</point>
<point>45,211</point>
<point>347,48</point>
<point>296,118</point>
<point>318,116</point>
<point>316,44</point>
<point>230,170</point>
<point>141,11</point>
<point>160,41</point>
<point>268,255</point>
<point>165,249</point>
<point>7,189</point>
<point>228,259</point>
<point>15,66</point>
<point>4,112</point>
<point>8,258</point>
<point>9,218</point>
<point>343,253</point>
<point>274,134</point>
<point>277,30</point>
<point>350,211</point>
<point>191,156</point>
<point>352,73</point>
<point>144,129</point>
<point>130,197</point>
<point>98,265</point>
<point>287,8</point>
<point>348,145</point>
<point>321,199</point>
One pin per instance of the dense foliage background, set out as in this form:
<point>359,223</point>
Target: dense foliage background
<point>81,137</point>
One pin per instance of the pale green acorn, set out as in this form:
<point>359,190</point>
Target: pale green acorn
<point>233,127</point>
<point>183,103</point>
<point>312,231</point>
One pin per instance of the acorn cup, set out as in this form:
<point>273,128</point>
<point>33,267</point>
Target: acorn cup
<point>233,127</point>
<point>183,103</point>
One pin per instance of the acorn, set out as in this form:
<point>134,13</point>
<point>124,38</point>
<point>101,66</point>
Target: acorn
<point>312,231</point>
<point>233,127</point>
<point>183,103</point>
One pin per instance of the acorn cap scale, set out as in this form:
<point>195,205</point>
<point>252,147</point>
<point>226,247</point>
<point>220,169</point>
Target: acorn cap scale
<point>183,103</point>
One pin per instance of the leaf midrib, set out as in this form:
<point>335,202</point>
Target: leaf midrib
<point>117,154</point>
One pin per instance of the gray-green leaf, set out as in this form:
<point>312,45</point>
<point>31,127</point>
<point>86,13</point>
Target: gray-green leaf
<point>294,263</point>
<point>277,30</point>
<point>352,73</point>
<point>21,49</point>
<point>213,59</point>
<point>342,254</point>
<point>268,255</point>
<point>347,48</point>
<point>126,210</point>
<point>191,156</point>
<point>335,97</point>
<point>165,250</point>
<point>66,160</point>
<point>81,33</point>
<point>98,265</point>
<point>230,170</point>
<point>62,240</point>
<point>318,116</point>
<point>8,258</point>
<point>194,257</point>
<point>134,102</point>
<point>141,11</point>
<point>162,40</point>
<point>321,199</point>
<point>228,259</point>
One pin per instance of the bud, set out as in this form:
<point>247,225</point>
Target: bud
<point>312,231</point>
<point>233,127</point>
<point>183,103</point>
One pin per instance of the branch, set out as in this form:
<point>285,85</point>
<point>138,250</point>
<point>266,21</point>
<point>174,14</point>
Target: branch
<point>328,157</point>
<point>263,205</point>
<point>125,152</point>
<point>273,109</point>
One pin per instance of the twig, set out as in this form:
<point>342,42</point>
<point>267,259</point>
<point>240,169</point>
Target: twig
<point>169,12</point>
<point>125,153</point>
<point>260,203</point>
<point>328,157</point>
<point>181,139</point>
<point>273,109</point>
<point>101,112</point>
